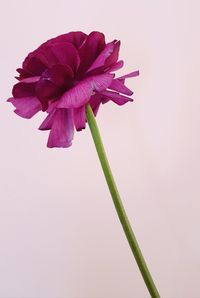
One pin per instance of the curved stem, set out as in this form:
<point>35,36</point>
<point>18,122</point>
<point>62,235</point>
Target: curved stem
<point>119,206</point>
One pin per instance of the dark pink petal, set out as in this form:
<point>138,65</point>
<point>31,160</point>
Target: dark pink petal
<point>100,60</point>
<point>79,118</point>
<point>76,38</point>
<point>117,66</point>
<point>60,75</point>
<point>45,91</point>
<point>43,57</point>
<point>33,65</point>
<point>66,54</point>
<point>23,90</point>
<point>39,60</point>
<point>91,48</point>
<point>120,87</point>
<point>129,75</point>
<point>116,97</point>
<point>95,102</point>
<point>104,100</point>
<point>81,93</point>
<point>112,59</point>
<point>62,130</point>
<point>48,121</point>
<point>26,107</point>
<point>23,73</point>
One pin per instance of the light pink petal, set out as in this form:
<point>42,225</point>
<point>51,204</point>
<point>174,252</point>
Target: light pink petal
<point>48,121</point>
<point>79,118</point>
<point>26,107</point>
<point>116,97</point>
<point>130,75</point>
<point>30,80</point>
<point>81,93</point>
<point>62,130</point>
<point>120,87</point>
<point>100,60</point>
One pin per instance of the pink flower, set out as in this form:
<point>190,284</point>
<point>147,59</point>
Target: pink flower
<point>62,76</point>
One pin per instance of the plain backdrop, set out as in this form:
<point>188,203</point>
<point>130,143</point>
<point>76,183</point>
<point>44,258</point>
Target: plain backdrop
<point>59,233</point>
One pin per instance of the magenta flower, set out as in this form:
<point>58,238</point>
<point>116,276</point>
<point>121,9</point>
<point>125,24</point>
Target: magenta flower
<point>62,76</point>
<point>68,77</point>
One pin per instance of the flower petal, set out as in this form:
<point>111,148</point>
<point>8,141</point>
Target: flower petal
<point>67,54</point>
<point>23,90</point>
<point>90,49</point>
<point>117,66</point>
<point>62,130</point>
<point>112,59</point>
<point>46,90</point>
<point>48,121</point>
<point>23,73</point>
<point>100,60</point>
<point>37,61</point>
<point>130,75</point>
<point>81,93</point>
<point>79,118</point>
<point>30,79</point>
<point>120,87</point>
<point>116,97</point>
<point>60,75</point>
<point>26,107</point>
<point>95,102</point>
<point>75,37</point>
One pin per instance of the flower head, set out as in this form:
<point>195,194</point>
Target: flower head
<point>64,74</point>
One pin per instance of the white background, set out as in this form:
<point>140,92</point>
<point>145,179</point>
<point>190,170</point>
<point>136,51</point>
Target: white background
<point>59,233</point>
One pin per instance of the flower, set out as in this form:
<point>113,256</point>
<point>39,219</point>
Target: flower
<point>64,74</point>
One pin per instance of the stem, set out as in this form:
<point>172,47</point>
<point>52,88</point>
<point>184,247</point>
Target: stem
<point>119,206</point>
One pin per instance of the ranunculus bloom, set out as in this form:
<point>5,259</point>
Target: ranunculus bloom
<point>64,74</point>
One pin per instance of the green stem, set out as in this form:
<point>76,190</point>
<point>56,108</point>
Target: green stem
<point>119,206</point>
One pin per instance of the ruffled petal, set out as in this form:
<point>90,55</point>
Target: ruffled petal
<point>112,59</point>
<point>60,75</point>
<point>62,129</point>
<point>100,60</point>
<point>23,90</point>
<point>120,87</point>
<point>66,54</point>
<point>116,97</point>
<point>26,107</point>
<point>79,118</point>
<point>46,90</point>
<point>76,38</point>
<point>91,48</point>
<point>33,65</point>
<point>81,93</point>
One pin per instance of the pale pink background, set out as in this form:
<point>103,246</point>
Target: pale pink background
<point>59,234</point>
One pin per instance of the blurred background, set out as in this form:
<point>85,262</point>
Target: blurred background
<point>59,233</point>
